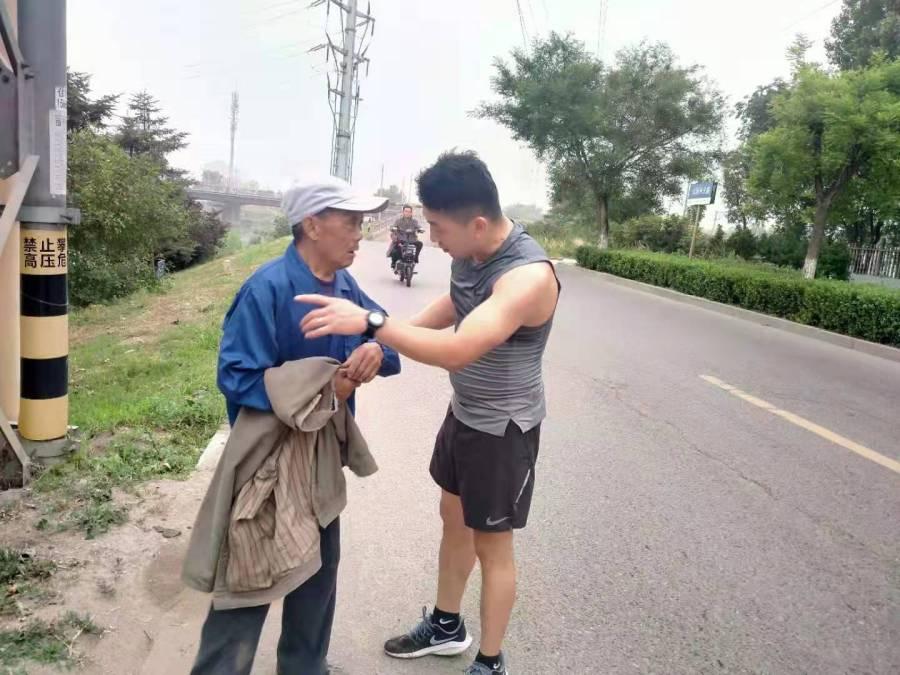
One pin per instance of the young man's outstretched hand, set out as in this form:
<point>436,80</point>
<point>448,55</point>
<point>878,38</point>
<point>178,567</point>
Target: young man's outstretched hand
<point>335,316</point>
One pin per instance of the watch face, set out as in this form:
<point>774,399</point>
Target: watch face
<point>376,319</point>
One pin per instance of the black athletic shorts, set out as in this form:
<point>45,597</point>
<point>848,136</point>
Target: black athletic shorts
<point>492,475</point>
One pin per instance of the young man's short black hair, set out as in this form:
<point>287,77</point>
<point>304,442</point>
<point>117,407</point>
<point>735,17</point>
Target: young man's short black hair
<point>460,184</point>
<point>407,206</point>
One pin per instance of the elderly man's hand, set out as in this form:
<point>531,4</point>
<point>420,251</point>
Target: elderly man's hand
<point>364,363</point>
<point>343,386</point>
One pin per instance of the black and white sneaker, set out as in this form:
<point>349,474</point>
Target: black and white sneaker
<point>498,668</point>
<point>429,637</point>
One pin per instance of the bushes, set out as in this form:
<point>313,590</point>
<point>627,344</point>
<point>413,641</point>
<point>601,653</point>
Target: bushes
<point>785,248</point>
<point>865,312</point>
<point>656,233</point>
<point>131,213</point>
<point>742,243</point>
<point>94,277</point>
<point>834,261</point>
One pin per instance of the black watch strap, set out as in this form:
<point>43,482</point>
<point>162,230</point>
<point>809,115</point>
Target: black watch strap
<point>374,321</point>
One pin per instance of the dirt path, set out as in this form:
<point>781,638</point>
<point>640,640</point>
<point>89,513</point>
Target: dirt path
<point>127,580</point>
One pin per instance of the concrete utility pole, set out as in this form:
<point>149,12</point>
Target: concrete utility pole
<point>33,166</point>
<point>229,186</point>
<point>356,28</point>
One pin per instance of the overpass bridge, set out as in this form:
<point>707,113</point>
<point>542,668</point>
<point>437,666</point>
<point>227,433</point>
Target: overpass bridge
<point>231,202</point>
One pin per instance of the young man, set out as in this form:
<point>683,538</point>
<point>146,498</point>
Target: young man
<point>407,230</point>
<point>260,332</point>
<point>502,298</point>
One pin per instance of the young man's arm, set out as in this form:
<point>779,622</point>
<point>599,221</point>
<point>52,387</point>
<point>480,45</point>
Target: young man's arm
<point>525,295</point>
<point>437,315</point>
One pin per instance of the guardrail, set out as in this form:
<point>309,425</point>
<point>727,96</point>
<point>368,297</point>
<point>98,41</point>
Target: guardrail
<point>236,193</point>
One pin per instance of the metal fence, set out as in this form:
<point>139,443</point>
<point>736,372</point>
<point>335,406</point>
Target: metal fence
<point>875,261</point>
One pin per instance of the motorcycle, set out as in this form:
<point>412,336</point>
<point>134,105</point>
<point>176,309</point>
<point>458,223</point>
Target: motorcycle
<point>406,265</point>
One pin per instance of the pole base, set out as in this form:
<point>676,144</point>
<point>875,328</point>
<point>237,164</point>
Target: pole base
<point>51,453</point>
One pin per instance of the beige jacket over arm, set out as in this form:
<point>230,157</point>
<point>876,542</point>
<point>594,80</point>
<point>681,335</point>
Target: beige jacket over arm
<point>280,479</point>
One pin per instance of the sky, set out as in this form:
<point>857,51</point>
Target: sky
<point>431,65</point>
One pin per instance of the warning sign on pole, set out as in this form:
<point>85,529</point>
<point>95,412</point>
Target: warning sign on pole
<point>57,163</point>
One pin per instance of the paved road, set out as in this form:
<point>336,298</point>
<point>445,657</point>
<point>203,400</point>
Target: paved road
<point>676,528</point>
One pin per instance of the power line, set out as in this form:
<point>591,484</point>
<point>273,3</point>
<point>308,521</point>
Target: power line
<point>277,5</point>
<point>809,14</point>
<point>534,21</point>
<point>601,28</point>
<point>522,24</point>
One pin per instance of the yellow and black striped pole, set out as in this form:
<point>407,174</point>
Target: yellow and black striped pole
<point>44,405</point>
<point>43,244</point>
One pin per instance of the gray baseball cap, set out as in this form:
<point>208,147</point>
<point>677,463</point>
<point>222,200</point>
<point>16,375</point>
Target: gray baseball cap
<point>315,195</point>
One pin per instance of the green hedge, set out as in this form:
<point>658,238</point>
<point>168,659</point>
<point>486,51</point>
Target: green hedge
<point>866,312</point>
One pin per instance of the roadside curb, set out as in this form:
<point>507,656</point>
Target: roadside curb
<point>210,455</point>
<point>845,341</point>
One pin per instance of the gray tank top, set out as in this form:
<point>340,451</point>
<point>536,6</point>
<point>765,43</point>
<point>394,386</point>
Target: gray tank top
<point>507,383</point>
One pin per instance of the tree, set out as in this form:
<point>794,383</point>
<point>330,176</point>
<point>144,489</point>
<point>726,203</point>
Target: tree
<point>717,241</point>
<point>740,208</point>
<point>82,111</point>
<point>755,117</point>
<point>145,132</point>
<point>831,130</point>
<point>785,246</point>
<point>870,213</point>
<point>743,243</point>
<point>607,133</point>
<point>281,227</point>
<point>526,213</point>
<point>393,194</point>
<point>863,28</point>
<point>755,112</point>
<point>129,212</point>
<point>201,240</point>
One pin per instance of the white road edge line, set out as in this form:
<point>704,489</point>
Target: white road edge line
<point>803,423</point>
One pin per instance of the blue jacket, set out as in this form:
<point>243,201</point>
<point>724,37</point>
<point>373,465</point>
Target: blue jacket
<point>262,330</point>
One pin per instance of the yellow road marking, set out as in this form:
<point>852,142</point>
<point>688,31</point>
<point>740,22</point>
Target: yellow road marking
<point>803,423</point>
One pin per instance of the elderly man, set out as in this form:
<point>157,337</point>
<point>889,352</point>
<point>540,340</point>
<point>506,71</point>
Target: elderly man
<point>262,331</point>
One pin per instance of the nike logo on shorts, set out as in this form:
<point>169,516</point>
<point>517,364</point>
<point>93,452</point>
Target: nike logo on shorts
<point>491,522</point>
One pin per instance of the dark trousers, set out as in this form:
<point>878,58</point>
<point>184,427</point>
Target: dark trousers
<point>229,637</point>
<point>395,252</point>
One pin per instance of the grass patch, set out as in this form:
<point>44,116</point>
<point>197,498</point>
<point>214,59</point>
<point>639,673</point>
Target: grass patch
<point>48,643</point>
<point>20,566</point>
<point>558,242</point>
<point>20,577</point>
<point>143,391</point>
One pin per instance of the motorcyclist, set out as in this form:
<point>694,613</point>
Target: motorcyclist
<point>405,229</point>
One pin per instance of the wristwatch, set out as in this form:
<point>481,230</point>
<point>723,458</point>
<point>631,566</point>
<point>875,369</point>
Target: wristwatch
<point>374,321</point>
